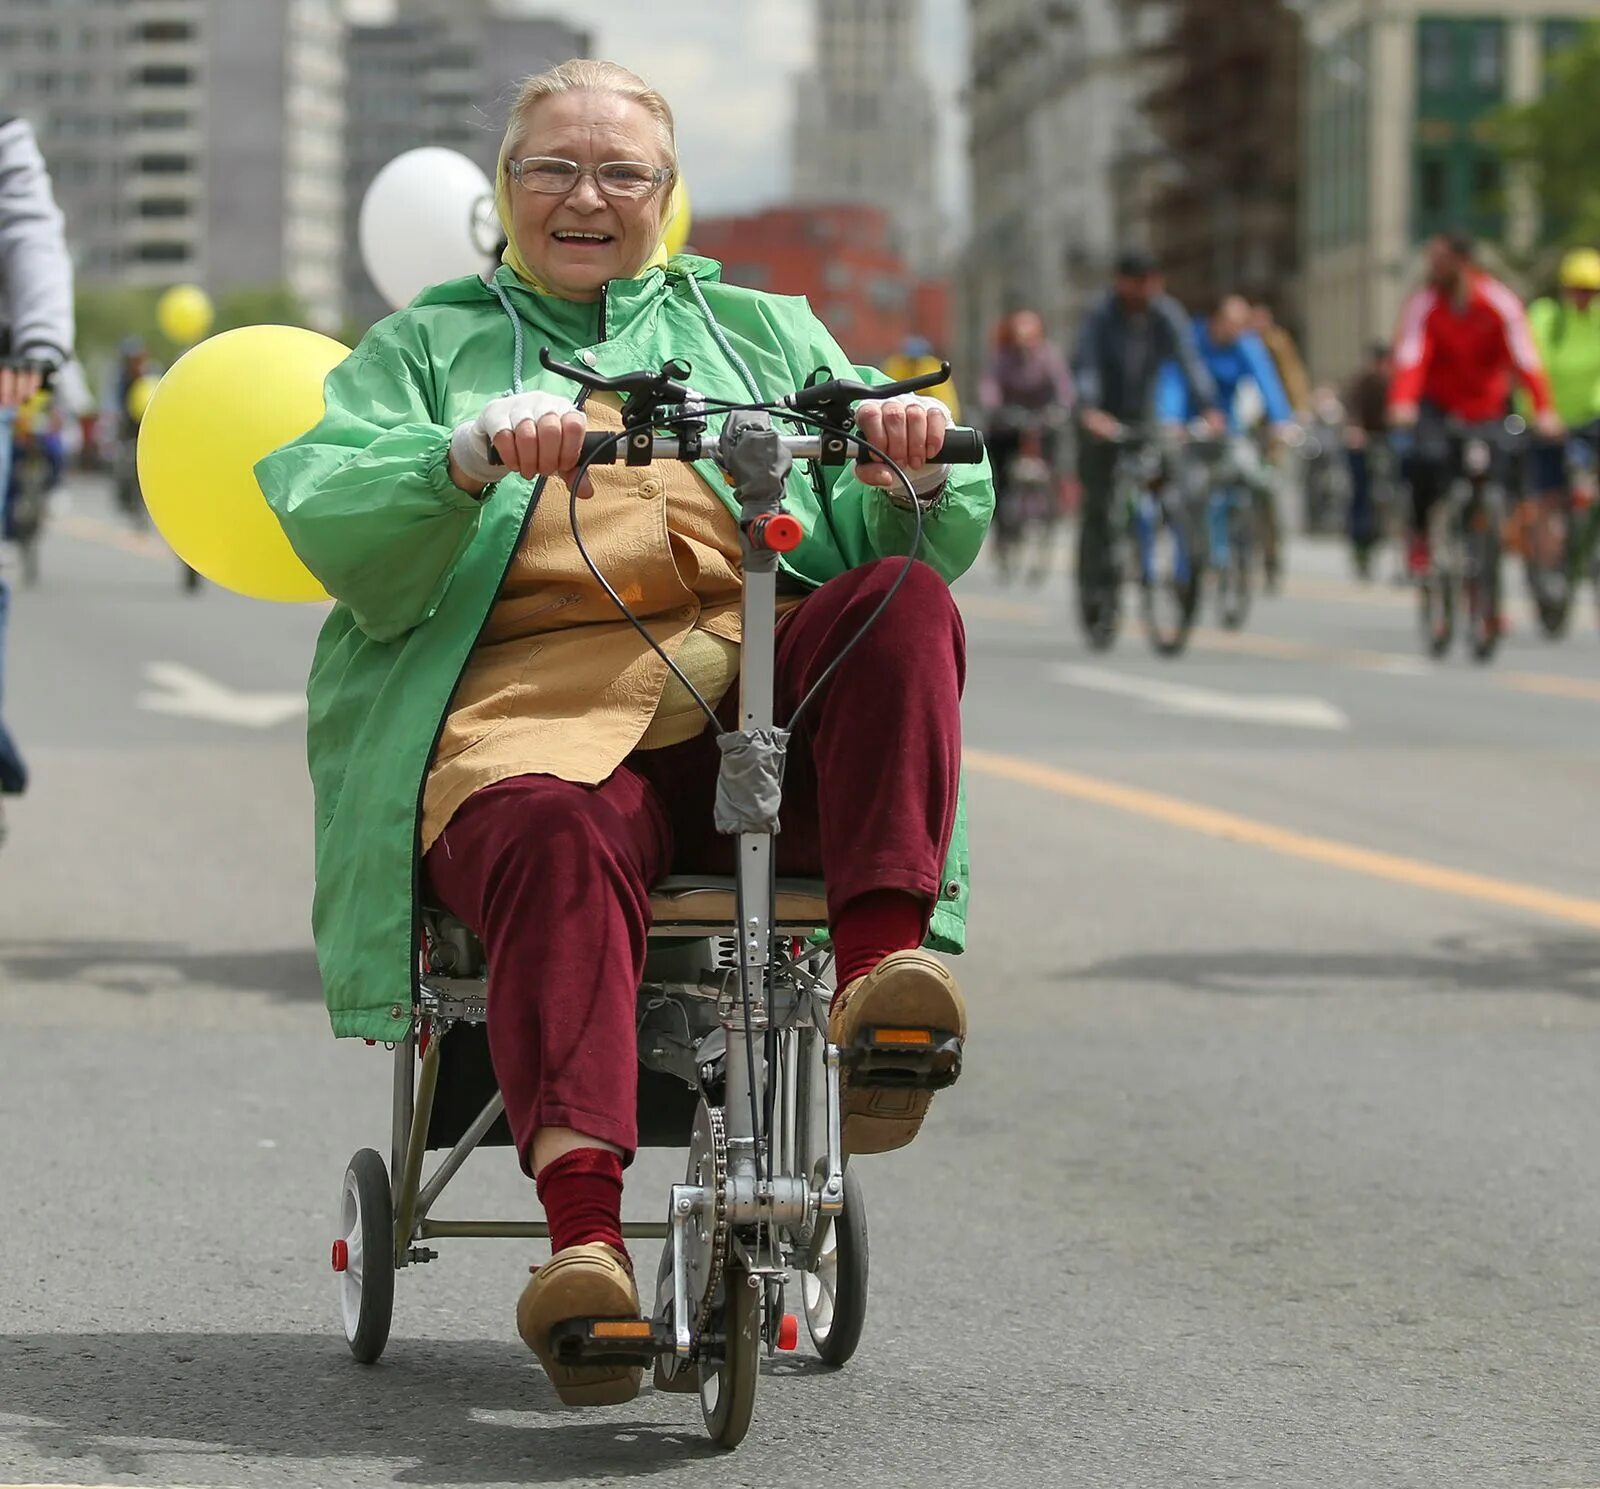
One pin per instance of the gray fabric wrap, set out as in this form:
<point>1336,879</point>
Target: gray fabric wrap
<point>750,779</point>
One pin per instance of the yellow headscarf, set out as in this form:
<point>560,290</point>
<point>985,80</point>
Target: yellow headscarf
<point>513,255</point>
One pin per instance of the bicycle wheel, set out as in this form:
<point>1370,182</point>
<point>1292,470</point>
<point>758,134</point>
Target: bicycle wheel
<point>1481,586</point>
<point>1548,543</point>
<point>1437,612</point>
<point>1170,582</point>
<point>1233,574</point>
<point>728,1383</point>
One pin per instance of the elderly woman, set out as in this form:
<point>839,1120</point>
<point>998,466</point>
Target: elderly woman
<point>487,730</point>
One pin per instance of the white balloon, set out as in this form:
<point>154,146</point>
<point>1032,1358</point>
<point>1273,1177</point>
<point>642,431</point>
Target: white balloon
<point>417,219</point>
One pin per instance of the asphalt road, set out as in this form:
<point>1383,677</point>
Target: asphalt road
<point>1275,1162</point>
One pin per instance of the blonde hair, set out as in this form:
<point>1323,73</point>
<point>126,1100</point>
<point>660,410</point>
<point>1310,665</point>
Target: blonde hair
<point>578,75</point>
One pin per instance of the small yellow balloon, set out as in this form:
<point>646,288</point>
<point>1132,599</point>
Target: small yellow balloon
<point>218,410</point>
<point>140,391</point>
<point>679,219</point>
<point>184,314</point>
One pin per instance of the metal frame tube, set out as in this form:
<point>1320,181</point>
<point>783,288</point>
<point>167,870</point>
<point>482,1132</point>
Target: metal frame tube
<point>453,1160</point>
<point>416,1150</point>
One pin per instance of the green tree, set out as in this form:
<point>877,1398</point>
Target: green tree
<point>1556,138</point>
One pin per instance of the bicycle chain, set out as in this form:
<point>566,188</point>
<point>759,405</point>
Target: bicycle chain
<point>719,1230</point>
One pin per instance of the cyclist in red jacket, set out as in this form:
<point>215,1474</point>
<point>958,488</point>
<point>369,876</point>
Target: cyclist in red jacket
<point>1462,345</point>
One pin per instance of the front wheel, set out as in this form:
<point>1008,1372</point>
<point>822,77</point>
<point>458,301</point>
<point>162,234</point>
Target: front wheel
<point>728,1384</point>
<point>1233,574</point>
<point>1170,582</point>
<point>363,1257</point>
<point>1437,612</point>
<point>1482,588</point>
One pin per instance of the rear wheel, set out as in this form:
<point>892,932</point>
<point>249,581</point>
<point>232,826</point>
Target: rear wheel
<point>1437,612</point>
<point>728,1383</point>
<point>363,1257</point>
<point>1233,575</point>
<point>1547,553</point>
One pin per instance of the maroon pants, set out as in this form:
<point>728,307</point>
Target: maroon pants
<point>555,877</point>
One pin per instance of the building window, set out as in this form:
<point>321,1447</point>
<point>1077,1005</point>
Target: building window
<point>164,75</point>
<point>165,206</point>
<point>165,165</point>
<point>165,31</point>
<point>1461,80</point>
<point>1436,60</point>
<point>162,253</point>
<point>165,119</point>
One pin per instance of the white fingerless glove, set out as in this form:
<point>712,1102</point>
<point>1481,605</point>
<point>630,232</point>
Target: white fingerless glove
<point>471,442</point>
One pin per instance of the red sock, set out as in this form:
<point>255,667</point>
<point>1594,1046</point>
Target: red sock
<point>871,926</point>
<point>581,1192</point>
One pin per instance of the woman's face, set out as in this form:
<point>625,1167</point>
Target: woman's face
<point>1027,330</point>
<point>577,242</point>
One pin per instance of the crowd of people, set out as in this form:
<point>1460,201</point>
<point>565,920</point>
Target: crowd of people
<point>1372,457</point>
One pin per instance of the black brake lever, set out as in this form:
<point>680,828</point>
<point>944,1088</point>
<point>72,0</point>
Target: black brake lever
<point>661,387</point>
<point>823,395</point>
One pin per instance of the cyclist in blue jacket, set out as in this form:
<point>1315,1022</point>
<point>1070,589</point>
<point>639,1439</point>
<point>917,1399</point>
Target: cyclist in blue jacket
<point>1234,355</point>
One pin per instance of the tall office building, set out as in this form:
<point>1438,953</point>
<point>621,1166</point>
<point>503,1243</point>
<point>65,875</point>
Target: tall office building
<point>440,72</point>
<point>865,126</point>
<point>1394,146</point>
<point>189,140</point>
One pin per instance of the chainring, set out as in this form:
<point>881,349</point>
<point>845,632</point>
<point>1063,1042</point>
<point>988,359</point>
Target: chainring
<point>707,1245</point>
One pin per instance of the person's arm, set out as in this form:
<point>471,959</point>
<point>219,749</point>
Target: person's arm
<point>1265,372</point>
<point>366,497</point>
<point>1172,395</point>
<point>1291,370</point>
<point>868,523</point>
<point>1186,350</point>
<point>35,267</point>
<point>1411,350</point>
<point>1088,357</point>
<point>1520,348</point>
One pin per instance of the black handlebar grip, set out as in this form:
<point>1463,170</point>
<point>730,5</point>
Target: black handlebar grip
<point>595,444</point>
<point>961,447</point>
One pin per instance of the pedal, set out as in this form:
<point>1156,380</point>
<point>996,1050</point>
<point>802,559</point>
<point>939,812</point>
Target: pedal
<point>612,1341</point>
<point>905,1059</point>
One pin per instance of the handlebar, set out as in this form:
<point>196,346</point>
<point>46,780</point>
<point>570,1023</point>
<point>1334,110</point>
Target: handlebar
<point>960,447</point>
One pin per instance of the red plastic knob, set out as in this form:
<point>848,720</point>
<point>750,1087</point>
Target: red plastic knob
<point>341,1255</point>
<point>780,533</point>
<point>789,1332</point>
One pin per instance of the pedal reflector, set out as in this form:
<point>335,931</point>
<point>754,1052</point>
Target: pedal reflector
<point>902,1036</point>
<point>621,1328</point>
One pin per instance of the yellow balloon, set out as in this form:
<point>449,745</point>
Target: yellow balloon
<point>679,219</point>
<point>184,314</point>
<point>218,410</point>
<point>139,395</point>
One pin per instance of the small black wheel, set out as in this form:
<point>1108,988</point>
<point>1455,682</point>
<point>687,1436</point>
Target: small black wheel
<point>363,1257</point>
<point>728,1384</point>
<point>834,1295</point>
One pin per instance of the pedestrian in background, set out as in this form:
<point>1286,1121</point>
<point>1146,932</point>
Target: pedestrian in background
<point>1366,403</point>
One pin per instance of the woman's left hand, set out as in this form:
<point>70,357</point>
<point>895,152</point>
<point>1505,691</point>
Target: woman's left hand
<point>910,431</point>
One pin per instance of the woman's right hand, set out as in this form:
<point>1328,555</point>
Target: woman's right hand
<point>533,434</point>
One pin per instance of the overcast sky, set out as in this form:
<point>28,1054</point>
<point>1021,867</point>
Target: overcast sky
<point>726,68</point>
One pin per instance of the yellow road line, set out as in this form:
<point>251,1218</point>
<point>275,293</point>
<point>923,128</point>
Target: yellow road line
<point>1506,894</point>
<point>108,535</point>
<point>1551,685</point>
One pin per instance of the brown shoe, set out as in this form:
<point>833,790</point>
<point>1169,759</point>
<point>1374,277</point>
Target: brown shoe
<point>909,1003</point>
<point>588,1281</point>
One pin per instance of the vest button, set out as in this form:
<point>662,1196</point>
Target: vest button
<point>587,358</point>
<point>649,487</point>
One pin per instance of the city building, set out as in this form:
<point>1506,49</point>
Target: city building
<point>1226,109</point>
<point>865,128</point>
<point>842,257</point>
<point>1395,147</point>
<point>1063,164</point>
<point>189,140</point>
<point>440,72</point>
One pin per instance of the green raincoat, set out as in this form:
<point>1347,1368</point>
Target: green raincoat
<point>415,563</point>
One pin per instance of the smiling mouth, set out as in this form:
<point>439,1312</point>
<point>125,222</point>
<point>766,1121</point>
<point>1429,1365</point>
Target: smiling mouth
<point>581,239</point>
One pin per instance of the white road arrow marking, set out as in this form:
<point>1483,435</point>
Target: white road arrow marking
<point>1206,703</point>
<point>193,695</point>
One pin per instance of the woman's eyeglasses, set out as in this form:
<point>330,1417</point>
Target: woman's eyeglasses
<point>622,178</point>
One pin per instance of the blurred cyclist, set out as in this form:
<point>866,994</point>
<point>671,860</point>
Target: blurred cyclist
<point>35,325</point>
<point>1286,358</point>
<point>1127,335</point>
<point>1025,390</point>
<point>1462,342</point>
<point>1366,402</point>
<point>1234,356</point>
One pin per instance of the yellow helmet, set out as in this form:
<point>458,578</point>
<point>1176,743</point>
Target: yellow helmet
<point>1580,270</point>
